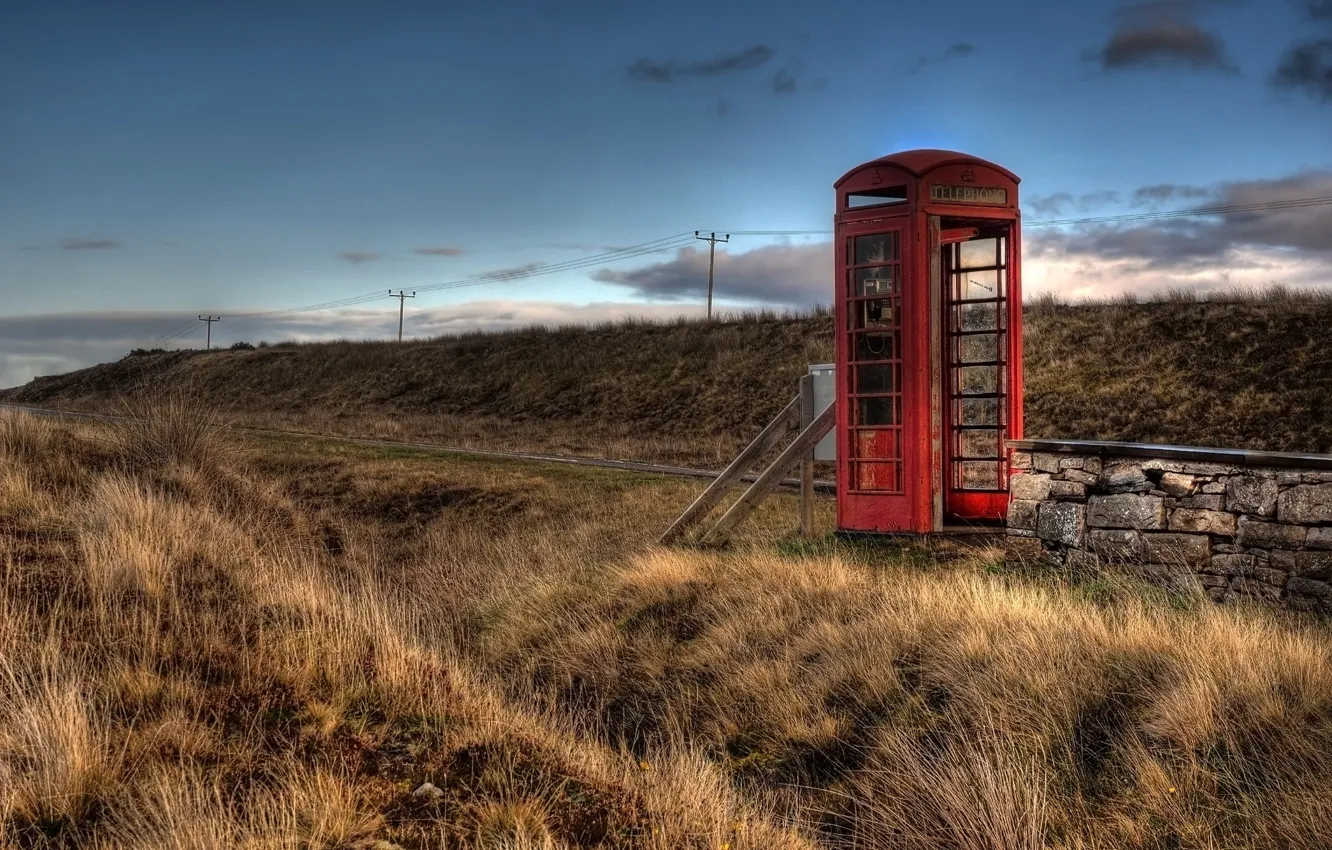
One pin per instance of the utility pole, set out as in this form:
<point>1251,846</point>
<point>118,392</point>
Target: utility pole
<point>402,299</point>
<point>712,241</point>
<point>210,320</point>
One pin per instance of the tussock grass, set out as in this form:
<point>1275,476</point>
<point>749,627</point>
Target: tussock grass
<point>280,647</point>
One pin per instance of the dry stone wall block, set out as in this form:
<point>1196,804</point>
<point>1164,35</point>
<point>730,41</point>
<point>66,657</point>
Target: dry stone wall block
<point>1022,514</point>
<point>1081,476</point>
<point>1178,484</point>
<point>1313,565</point>
<point>1319,538</point>
<point>1204,522</point>
<point>1249,494</point>
<point>1029,486</point>
<point>1045,462</point>
<point>1194,550</point>
<point>1254,532</point>
<point>1125,476</point>
<point>1309,587</point>
<point>1020,460</point>
<point>1126,510</point>
<point>1306,503</point>
<point>1232,565</point>
<point>1062,522</point>
<point>1115,544</point>
<point>1067,490</point>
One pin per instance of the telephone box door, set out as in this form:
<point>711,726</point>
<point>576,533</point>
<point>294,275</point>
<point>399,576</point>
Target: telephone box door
<point>975,265</point>
<point>873,353</point>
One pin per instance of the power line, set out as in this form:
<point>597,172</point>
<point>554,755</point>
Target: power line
<point>1231,209</point>
<point>668,243</point>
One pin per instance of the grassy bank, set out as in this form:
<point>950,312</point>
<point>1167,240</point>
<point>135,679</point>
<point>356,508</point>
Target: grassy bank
<point>1248,370</point>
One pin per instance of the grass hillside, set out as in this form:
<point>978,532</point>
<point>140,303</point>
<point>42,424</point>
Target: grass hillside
<point>1244,370</point>
<point>278,643</point>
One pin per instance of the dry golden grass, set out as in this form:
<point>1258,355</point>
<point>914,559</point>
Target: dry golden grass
<point>275,644</point>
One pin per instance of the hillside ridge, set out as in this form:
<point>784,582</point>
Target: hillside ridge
<point>1253,373</point>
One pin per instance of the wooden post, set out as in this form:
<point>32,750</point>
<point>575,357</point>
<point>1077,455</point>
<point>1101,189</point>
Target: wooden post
<point>773,475</point>
<point>746,459</point>
<point>807,465</point>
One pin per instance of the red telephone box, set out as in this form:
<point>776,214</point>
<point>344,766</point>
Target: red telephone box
<point>929,341</point>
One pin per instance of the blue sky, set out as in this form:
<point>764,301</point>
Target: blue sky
<point>164,159</point>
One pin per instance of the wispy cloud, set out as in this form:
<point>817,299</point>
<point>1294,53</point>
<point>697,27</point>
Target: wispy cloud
<point>1162,34</point>
<point>358,257</point>
<point>1166,192</point>
<point>957,50</point>
<point>91,245</point>
<point>670,70</point>
<point>444,251</point>
<point>787,275</point>
<point>1062,203</point>
<point>1307,68</point>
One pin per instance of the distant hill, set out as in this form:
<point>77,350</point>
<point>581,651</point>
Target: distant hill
<point>1248,371</point>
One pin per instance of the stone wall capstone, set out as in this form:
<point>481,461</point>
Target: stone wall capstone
<point>1233,529</point>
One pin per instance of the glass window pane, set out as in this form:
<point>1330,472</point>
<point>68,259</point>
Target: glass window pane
<point>876,379</point>
<point>975,380</point>
<point>979,411</point>
<point>979,475</point>
<point>876,248</point>
<point>979,254</point>
<point>977,317</point>
<point>975,286</point>
<point>979,348</point>
<point>877,411</point>
<point>878,313</point>
<point>978,443</point>
<point>877,476</point>
<point>881,280</point>
<point>872,346</point>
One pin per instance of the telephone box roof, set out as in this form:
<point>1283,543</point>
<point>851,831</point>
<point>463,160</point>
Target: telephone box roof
<point>920,162</point>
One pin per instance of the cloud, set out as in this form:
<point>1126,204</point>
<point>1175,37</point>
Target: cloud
<point>358,257</point>
<point>444,251</point>
<point>1307,68</point>
<point>1318,10</point>
<point>1162,34</point>
<point>29,248</point>
<point>794,275</point>
<point>91,245</point>
<point>784,82</point>
<point>957,50</point>
<point>1165,192</point>
<point>514,271</point>
<point>1256,247</point>
<point>652,71</point>
<point>1062,202</point>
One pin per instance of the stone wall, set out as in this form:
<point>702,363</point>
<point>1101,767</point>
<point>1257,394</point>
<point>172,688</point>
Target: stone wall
<point>1237,524</point>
